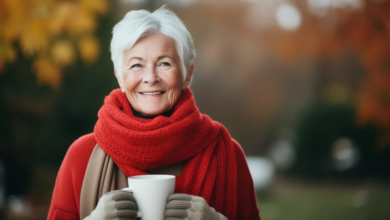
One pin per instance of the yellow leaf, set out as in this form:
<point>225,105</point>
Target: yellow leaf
<point>81,22</point>
<point>35,39</point>
<point>89,48</point>
<point>10,30</point>
<point>61,14</point>
<point>7,52</point>
<point>96,6</point>
<point>11,54</point>
<point>63,52</point>
<point>14,8</point>
<point>12,18</point>
<point>47,72</point>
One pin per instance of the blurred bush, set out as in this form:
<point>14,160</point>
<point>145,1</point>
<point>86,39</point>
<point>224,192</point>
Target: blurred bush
<point>330,143</point>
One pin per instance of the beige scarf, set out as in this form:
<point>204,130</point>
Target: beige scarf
<point>102,176</point>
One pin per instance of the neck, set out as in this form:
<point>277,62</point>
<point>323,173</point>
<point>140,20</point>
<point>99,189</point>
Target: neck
<point>139,115</point>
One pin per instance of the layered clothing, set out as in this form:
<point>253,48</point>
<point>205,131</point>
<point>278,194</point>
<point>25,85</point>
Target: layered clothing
<point>215,167</point>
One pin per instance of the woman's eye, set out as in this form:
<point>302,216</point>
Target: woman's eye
<point>165,64</point>
<point>135,66</point>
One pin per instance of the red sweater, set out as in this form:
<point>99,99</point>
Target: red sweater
<point>65,202</point>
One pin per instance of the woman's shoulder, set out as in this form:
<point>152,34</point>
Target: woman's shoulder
<point>78,153</point>
<point>76,160</point>
<point>83,145</point>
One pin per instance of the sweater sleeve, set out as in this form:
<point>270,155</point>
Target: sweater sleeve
<point>247,203</point>
<point>66,195</point>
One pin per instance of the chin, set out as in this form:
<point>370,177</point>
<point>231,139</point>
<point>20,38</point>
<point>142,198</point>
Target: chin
<point>152,112</point>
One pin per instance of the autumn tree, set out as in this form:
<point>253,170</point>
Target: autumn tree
<point>53,33</point>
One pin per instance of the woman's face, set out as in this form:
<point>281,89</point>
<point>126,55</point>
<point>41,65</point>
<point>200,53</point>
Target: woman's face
<point>152,75</point>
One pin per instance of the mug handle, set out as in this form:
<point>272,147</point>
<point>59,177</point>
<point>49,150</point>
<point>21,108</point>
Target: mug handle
<point>139,214</point>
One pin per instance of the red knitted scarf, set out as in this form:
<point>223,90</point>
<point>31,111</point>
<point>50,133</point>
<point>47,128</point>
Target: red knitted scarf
<point>137,145</point>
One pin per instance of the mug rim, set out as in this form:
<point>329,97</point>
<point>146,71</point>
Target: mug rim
<point>152,177</point>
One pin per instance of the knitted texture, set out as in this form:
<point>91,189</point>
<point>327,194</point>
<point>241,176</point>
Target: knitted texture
<point>119,204</point>
<point>184,206</point>
<point>137,145</point>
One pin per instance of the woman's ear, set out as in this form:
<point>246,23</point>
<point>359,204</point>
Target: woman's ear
<point>119,81</point>
<point>188,77</point>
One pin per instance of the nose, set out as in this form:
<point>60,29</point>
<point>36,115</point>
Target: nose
<point>150,75</point>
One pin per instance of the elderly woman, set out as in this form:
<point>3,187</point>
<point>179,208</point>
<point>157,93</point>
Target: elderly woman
<point>151,125</point>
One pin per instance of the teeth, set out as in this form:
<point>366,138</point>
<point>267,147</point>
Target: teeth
<point>151,93</point>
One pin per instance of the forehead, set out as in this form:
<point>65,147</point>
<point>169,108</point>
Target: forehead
<point>156,43</point>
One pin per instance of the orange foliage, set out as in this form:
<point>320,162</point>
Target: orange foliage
<point>48,31</point>
<point>365,31</point>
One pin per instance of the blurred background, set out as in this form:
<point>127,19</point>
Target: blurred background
<point>303,85</point>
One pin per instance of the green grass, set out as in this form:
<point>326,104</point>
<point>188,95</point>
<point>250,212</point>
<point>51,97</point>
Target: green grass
<point>313,201</point>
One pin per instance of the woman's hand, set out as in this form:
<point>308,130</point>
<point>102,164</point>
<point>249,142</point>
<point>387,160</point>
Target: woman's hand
<point>115,205</point>
<point>184,206</point>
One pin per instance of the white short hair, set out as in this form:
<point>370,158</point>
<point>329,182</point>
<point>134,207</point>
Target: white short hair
<point>139,23</point>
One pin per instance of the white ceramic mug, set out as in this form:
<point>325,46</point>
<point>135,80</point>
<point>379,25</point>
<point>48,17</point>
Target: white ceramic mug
<point>151,194</point>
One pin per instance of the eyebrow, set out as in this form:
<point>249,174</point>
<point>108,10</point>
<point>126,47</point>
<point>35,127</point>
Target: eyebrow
<point>134,58</point>
<point>164,56</point>
<point>158,58</point>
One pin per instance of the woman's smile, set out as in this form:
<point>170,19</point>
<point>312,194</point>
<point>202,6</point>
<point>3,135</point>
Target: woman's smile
<point>151,94</point>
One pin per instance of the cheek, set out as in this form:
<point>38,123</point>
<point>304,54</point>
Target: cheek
<point>131,81</point>
<point>174,81</point>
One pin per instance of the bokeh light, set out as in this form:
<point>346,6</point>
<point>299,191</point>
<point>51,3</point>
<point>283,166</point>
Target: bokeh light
<point>288,17</point>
